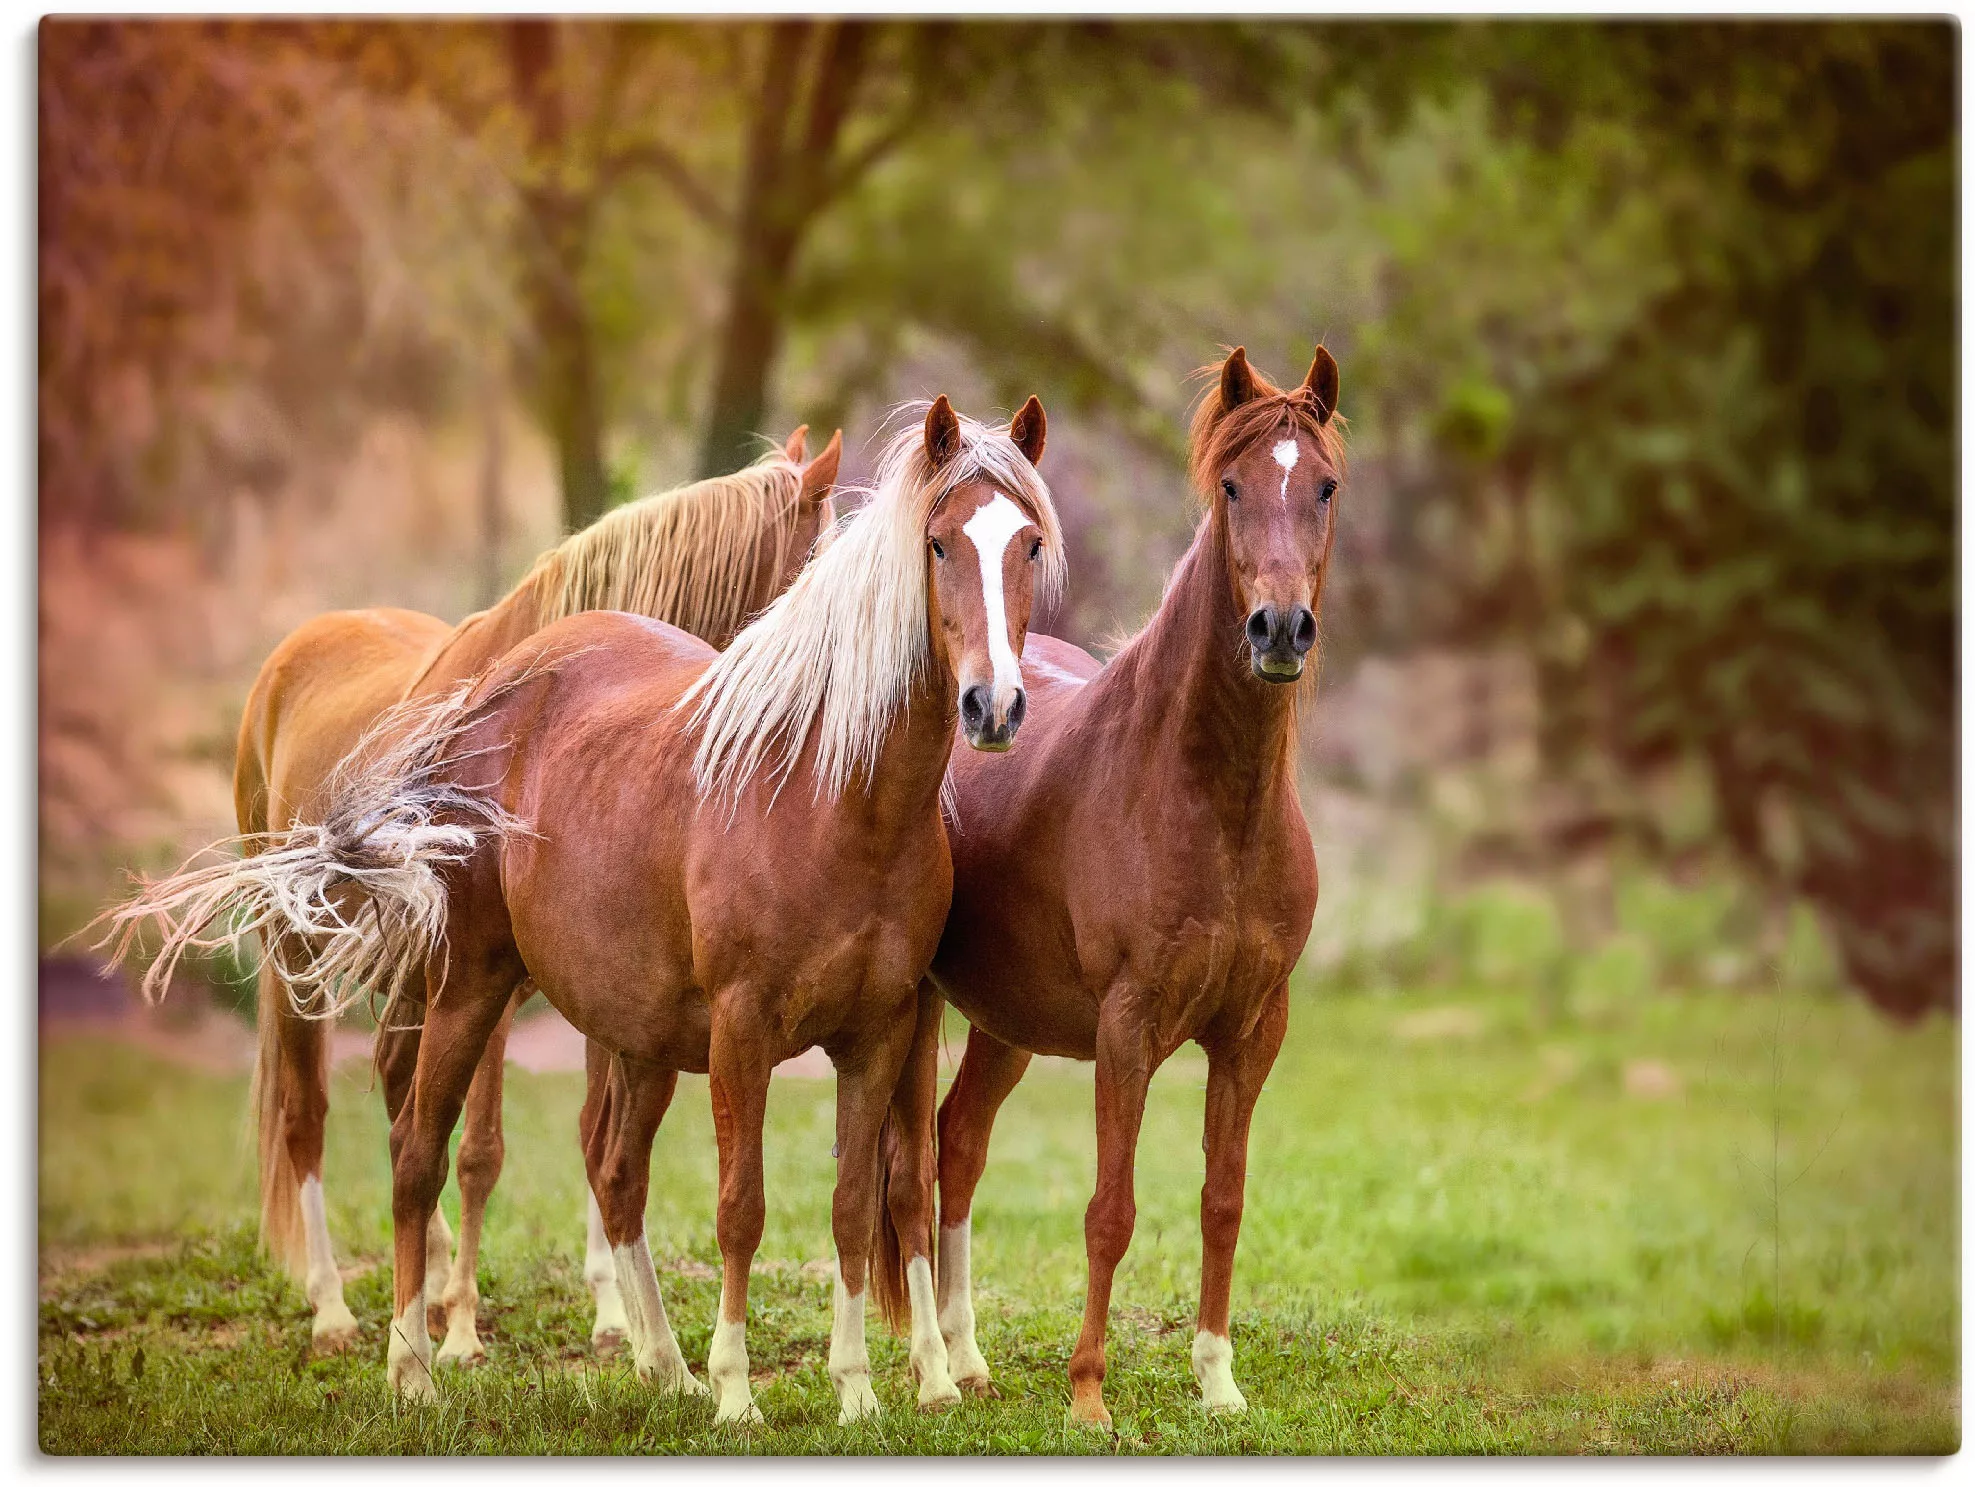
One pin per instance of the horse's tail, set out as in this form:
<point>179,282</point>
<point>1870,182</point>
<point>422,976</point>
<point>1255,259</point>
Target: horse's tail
<point>362,891</point>
<point>281,1188</point>
<point>889,1287</point>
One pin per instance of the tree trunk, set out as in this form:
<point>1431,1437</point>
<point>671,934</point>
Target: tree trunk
<point>566,372</point>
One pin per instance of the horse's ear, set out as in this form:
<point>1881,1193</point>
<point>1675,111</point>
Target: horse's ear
<point>821,473</point>
<point>1030,428</point>
<point>1321,384</point>
<point>942,432</point>
<point>796,448</point>
<point>1237,381</point>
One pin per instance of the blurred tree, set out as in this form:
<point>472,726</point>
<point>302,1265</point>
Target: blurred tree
<point>1683,334</point>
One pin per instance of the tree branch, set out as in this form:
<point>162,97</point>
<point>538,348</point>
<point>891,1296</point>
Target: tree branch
<point>652,156</point>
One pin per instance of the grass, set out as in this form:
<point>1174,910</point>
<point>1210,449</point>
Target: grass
<point>1709,1223</point>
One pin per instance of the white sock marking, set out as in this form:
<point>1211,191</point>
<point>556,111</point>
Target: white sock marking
<point>600,1273</point>
<point>956,1302</point>
<point>1286,454</point>
<point>989,530</point>
<point>929,1361</point>
<point>1213,1369</point>
<point>408,1359</point>
<point>850,1362</point>
<point>654,1350</point>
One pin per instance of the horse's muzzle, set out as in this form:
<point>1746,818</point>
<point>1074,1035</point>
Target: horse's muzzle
<point>985,730</point>
<point>1279,636</point>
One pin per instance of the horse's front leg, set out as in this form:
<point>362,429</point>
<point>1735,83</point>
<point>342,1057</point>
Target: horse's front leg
<point>867,1074</point>
<point>739,1066</point>
<point>1235,1071</point>
<point>1124,1069</point>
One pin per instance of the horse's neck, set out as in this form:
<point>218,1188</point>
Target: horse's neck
<point>911,764</point>
<point>1198,704</point>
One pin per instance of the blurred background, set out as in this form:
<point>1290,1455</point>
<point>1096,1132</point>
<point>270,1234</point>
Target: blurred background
<point>1638,668</point>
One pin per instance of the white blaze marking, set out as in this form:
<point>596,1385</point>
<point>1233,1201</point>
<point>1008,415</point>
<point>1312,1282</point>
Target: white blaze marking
<point>989,530</point>
<point>1286,454</point>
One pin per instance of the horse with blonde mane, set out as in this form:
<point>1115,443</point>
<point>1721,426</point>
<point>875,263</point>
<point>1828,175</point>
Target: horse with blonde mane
<point>703,556</point>
<point>708,862</point>
<point>1140,875</point>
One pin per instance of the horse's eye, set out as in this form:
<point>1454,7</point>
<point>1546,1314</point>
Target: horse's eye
<point>1329,490</point>
<point>1035,549</point>
<point>1228,486</point>
<point>938,551</point>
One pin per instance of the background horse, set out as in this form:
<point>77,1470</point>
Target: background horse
<point>711,862</point>
<point>1140,874</point>
<point>703,556</point>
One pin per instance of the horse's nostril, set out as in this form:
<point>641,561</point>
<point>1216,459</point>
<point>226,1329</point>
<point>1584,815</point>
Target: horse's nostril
<point>1017,708</point>
<point>1259,629</point>
<point>974,708</point>
<point>1305,633</point>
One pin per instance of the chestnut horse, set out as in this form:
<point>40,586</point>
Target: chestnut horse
<point>710,862</point>
<point>704,556</point>
<point>1140,874</point>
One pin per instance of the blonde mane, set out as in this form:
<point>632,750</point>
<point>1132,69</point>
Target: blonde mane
<point>685,556</point>
<point>841,650</point>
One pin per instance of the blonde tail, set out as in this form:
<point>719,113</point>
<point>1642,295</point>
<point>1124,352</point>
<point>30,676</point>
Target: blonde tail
<point>362,891</point>
<point>281,1189</point>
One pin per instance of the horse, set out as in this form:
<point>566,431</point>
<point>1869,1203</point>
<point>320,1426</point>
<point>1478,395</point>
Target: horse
<point>709,862</point>
<point>703,556</point>
<point>1140,874</point>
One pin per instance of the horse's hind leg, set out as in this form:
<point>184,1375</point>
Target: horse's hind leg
<point>738,1073</point>
<point>989,1071</point>
<point>1235,1071</point>
<point>618,1153</point>
<point>397,1061</point>
<point>482,1149</point>
<point>611,1325</point>
<point>293,1111</point>
<point>456,1031</point>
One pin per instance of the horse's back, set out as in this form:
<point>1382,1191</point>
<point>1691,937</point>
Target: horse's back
<point>319,689</point>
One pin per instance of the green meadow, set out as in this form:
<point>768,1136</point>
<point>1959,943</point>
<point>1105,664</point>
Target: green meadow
<point>1718,1222</point>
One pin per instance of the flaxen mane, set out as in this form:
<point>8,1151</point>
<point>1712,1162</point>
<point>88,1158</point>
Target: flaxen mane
<point>842,648</point>
<point>684,556</point>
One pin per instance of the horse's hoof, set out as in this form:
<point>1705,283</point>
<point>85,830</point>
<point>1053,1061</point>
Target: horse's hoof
<point>463,1355</point>
<point>980,1386</point>
<point>939,1403</point>
<point>415,1386</point>
<point>856,1401</point>
<point>747,1414</point>
<point>332,1333</point>
<point>678,1380</point>
<point>1234,1406</point>
<point>1090,1414</point>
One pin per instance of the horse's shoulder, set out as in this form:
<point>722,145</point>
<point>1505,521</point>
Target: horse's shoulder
<point>1059,661</point>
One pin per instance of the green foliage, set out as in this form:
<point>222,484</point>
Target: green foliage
<point>1462,1235</point>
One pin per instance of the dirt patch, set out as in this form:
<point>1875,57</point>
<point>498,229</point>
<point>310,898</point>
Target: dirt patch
<point>57,1265</point>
